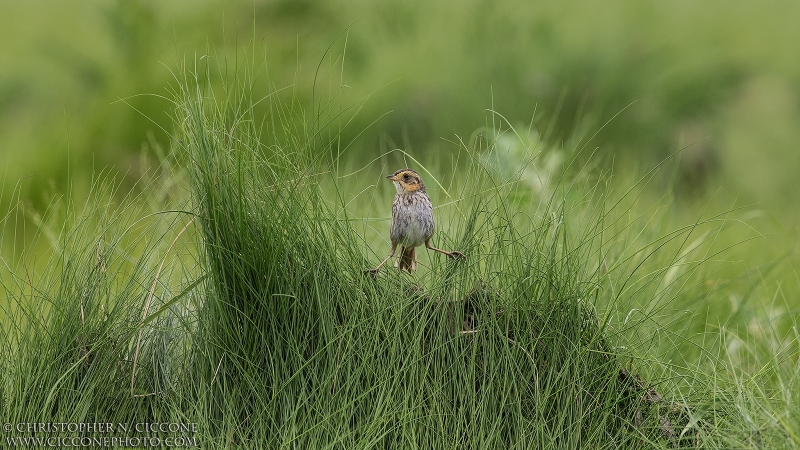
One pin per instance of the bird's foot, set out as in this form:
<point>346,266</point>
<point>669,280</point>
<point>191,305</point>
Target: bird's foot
<point>456,255</point>
<point>372,272</point>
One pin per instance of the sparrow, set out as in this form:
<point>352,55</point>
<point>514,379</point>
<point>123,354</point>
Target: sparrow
<point>412,221</point>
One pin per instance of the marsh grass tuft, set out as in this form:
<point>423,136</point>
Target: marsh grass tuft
<point>71,318</point>
<point>297,347</point>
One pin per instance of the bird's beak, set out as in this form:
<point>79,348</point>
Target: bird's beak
<point>390,177</point>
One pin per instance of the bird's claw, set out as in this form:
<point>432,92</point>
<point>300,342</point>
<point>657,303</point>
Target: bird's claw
<point>456,255</point>
<point>372,272</point>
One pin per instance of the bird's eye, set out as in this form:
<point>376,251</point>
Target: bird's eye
<point>405,177</point>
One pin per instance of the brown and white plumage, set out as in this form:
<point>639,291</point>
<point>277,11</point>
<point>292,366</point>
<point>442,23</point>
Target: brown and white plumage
<point>412,220</point>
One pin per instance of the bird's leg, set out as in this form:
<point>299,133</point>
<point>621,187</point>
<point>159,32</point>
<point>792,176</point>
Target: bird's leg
<point>454,254</point>
<point>374,271</point>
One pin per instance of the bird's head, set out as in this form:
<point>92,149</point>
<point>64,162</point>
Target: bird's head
<point>406,180</point>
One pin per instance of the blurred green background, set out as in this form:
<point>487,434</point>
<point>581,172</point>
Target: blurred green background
<point>722,75</point>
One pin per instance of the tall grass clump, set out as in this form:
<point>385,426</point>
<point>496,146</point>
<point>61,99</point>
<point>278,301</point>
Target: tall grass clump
<point>88,334</point>
<point>297,347</point>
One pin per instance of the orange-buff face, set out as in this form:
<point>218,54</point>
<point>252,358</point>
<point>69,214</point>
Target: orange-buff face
<point>406,180</point>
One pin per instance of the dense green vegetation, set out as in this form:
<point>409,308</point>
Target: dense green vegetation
<point>620,177</point>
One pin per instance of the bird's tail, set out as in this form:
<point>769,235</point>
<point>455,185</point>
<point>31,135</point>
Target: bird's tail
<point>408,259</point>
